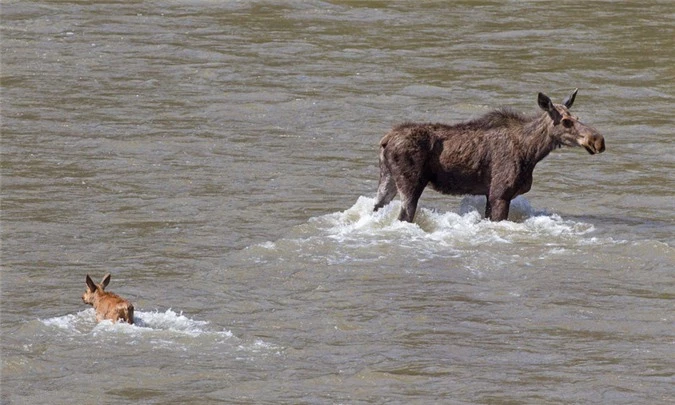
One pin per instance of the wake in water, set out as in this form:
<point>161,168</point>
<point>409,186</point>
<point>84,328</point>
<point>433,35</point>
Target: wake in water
<point>160,329</point>
<point>144,322</point>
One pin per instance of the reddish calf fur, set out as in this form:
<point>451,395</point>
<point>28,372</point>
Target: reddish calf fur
<point>492,156</point>
<point>107,305</point>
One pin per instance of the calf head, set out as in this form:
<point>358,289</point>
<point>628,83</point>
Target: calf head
<point>566,129</point>
<point>93,289</point>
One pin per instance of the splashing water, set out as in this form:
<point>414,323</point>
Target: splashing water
<point>358,233</point>
<point>143,322</point>
<point>448,228</point>
<point>167,330</point>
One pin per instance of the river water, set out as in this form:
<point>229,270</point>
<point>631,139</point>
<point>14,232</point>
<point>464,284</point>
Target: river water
<point>219,159</point>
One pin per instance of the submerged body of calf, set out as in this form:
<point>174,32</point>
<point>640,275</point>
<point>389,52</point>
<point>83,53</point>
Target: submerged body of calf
<point>106,304</point>
<point>494,155</point>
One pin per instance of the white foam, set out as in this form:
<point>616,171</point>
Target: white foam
<point>358,234</point>
<point>449,228</point>
<point>144,322</point>
<point>172,321</point>
<point>167,330</point>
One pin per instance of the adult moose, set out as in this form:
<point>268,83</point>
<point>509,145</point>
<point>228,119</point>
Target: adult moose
<point>493,155</point>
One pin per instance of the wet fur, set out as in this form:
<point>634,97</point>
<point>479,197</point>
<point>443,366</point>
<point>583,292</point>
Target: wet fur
<point>493,155</point>
<point>107,305</point>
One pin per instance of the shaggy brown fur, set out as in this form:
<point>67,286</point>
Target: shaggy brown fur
<point>494,155</point>
<point>107,305</point>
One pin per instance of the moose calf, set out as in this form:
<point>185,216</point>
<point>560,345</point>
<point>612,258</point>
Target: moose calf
<point>107,305</point>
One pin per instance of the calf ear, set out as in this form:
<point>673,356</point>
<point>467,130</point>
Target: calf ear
<point>569,100</point>
<point>90,283</point>
<point>105,281</point>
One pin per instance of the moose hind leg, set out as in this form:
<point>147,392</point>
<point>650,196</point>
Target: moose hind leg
<point>409,203</point>
<point>497,209</point>
<point>386,190</point>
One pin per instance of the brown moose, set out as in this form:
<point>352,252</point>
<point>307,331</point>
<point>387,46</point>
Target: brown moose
<point>493,155</point>
<point>107,305</point>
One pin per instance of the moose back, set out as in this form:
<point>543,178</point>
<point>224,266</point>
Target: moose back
<point>493,155</point>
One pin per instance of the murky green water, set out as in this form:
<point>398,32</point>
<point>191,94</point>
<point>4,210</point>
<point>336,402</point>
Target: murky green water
<point>220,159</point>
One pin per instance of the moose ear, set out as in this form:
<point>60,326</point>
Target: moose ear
<point>545,102</point>
<point>90,283</point>
<point>569,100</point>
<point>105,281</point>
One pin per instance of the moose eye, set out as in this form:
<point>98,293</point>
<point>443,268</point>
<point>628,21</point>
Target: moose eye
<point>567,123</point>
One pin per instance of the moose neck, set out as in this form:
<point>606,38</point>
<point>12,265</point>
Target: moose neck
<point>538,142</point>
